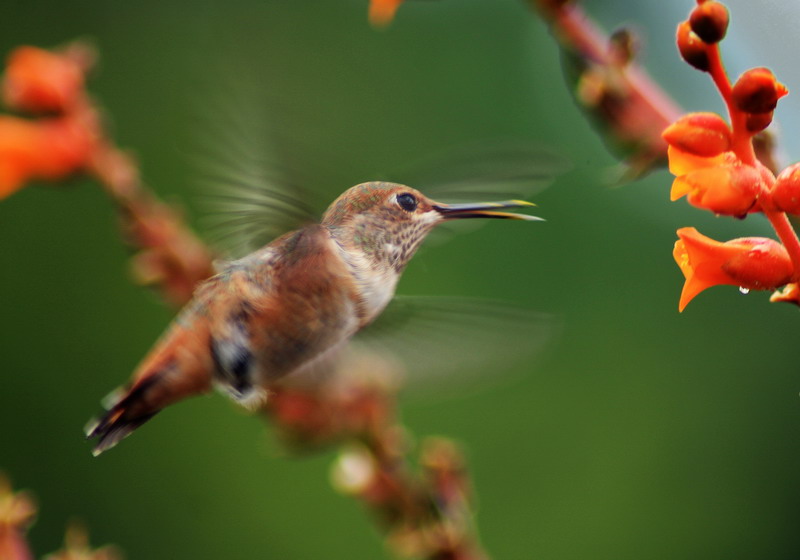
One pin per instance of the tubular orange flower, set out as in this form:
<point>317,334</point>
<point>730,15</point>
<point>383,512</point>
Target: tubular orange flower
<point>730,189</point>
<point>67,145</point>
<point>381,12</point>
<point>39,80</point>
<point>48,149</point>
<point>19,149</point>
<point>753,263</point>
<point>681,162</point>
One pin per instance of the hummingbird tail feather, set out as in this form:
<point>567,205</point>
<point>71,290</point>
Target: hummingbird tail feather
<point>122,417</point>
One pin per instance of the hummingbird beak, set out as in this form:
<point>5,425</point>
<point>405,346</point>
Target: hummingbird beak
<point>486,210</point>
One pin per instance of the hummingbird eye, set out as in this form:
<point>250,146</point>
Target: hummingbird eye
<point>407,202</point>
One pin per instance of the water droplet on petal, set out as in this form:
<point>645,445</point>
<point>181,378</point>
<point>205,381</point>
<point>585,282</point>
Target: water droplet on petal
<point>744,290</point>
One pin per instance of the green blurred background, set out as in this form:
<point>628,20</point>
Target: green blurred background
<point>641,433</point>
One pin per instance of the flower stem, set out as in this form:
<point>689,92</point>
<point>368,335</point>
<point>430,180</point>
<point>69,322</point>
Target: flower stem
<point>783,227</point>
<point>742,138</point>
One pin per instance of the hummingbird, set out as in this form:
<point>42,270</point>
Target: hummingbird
<point>287,305</point>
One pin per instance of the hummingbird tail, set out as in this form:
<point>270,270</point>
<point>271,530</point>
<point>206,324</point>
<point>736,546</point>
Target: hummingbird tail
<point>124,414</point>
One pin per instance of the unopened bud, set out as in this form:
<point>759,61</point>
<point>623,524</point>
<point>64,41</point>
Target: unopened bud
<point>700,134</point>
<point>757,91</point>
<point>692,48</point>
<point>765,265</point>
<point>786,191</point>
<point>623,46</point>
<point>709,21</point>
<point>756,122</point>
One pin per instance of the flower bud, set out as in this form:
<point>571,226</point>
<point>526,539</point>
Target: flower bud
<point>759,264</point>
<point>623,46</point>
<point>729,189</point>
<point>757,91</point>
<point>699,134</point>
<point>756,122</point>
<point>709,21</point>
<point>692,48</point>
<point>786,190</point>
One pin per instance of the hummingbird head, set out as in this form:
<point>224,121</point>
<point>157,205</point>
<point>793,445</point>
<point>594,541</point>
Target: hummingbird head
<point>387,222</point>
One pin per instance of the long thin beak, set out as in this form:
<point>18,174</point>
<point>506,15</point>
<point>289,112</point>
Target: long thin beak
<point>486,210</point>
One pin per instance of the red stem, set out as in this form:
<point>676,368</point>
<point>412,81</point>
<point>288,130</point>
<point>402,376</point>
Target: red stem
<point>783,227</point>
<point>742,138</point>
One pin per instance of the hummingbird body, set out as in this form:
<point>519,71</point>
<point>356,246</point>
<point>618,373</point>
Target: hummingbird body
<point>276,310</point>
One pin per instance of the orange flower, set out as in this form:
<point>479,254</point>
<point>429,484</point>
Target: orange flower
<point>721,184</point>
<point>752,263</point>
<point>38,80</point>
<point>67,145</point>
<point>20,142</point>
<point>381,12</point>
<point>46,149</point>
<point>682,162</point>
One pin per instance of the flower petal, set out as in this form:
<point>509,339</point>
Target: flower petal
<point>681,163</point>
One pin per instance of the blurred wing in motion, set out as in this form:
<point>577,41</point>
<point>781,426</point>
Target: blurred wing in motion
<point>450,345</point>
<point>487,170</point>
<point>251,196</point>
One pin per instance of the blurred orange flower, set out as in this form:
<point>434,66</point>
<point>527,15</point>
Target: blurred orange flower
<point>41,81</point>
<point>752,263</point>
<point>381,12</point>
<point>44,149</point>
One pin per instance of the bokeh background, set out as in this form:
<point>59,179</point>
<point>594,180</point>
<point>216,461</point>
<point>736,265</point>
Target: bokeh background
<point>640,433</point>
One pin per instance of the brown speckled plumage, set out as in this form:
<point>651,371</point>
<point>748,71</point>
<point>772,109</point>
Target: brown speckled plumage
<point>268,314</point>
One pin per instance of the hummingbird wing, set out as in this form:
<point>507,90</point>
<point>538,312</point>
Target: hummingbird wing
<point>251,192</point>
<point>448,344</point>
<point>252,200</point>
<point>254,196</point>
<point>493,169</point>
